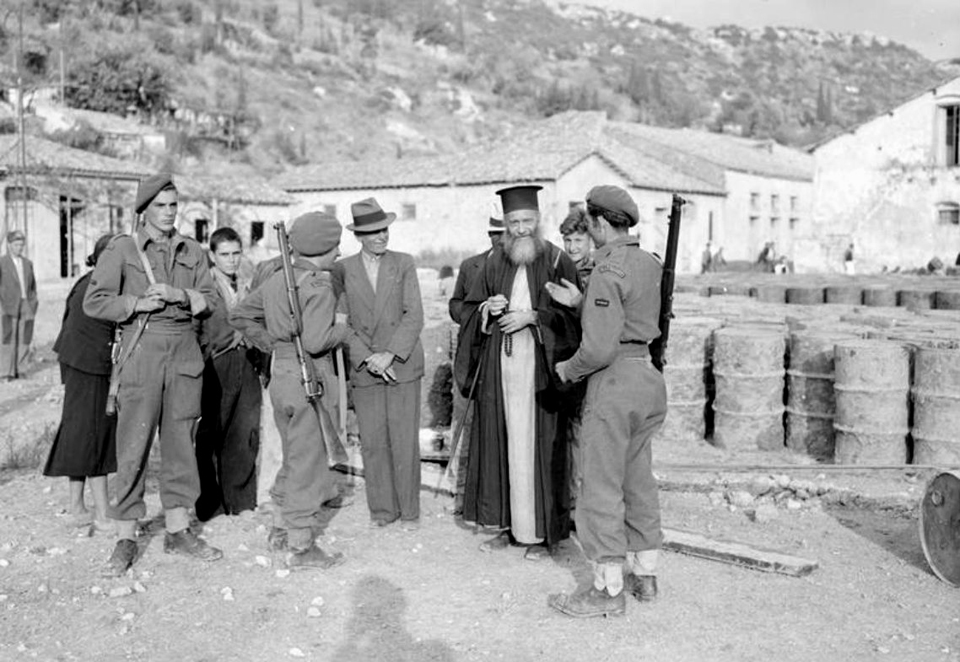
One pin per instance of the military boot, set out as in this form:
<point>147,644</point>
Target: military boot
<point>590,602</point>
<point>642,587</point>
<point>187,543</point>
<point>313,557</point>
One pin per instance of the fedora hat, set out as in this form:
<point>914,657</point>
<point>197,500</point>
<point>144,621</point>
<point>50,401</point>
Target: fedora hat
<point>369,217</point>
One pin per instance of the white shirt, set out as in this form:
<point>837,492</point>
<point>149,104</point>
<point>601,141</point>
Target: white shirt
<point>18,265</point>
<point>371,264</point>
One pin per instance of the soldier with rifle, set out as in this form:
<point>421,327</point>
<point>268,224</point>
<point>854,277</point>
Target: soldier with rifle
<point>293,314</point>
<point>618,511</point>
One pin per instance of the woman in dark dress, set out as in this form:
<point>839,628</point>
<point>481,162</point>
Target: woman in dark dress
<point>85,446</point>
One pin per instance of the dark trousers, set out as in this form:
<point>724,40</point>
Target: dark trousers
<point>228,437</point>
<point>17,333</point>
<point>304,480</point>
<point>618,509</point>
<point>389,418</point>
<point>160,386</point>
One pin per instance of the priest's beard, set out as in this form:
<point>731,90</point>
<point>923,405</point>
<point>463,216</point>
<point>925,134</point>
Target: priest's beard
<point>523,250</point>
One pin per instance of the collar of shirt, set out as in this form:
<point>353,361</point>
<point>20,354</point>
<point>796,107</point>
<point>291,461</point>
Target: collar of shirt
<point>370,258</point>
<point>606,249</point>
<point>143,238</point>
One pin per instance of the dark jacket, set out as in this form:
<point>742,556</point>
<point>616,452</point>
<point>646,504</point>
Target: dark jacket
<point>10,294</point>
<point>84,342</point>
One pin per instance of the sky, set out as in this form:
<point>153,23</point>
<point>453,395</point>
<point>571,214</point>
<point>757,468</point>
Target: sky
<point>932,27</point>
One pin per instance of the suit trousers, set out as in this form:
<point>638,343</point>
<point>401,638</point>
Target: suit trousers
<point>304,479</point>
<point>389,418</point>
<point>618,509</point>
<point>160,386</point>
<point>17,333</point>
<point>228,436</point>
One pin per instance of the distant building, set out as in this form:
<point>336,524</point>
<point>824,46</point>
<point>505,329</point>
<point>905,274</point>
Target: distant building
<point>741,193</point>
<point>63,200</point>
<point>890,185</point>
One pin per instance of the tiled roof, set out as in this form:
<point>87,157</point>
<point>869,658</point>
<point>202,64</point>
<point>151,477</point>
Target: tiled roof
<point>647,157</point>
<point>47,157</point>
<point>241,189</point>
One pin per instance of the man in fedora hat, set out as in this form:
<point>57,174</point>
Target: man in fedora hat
<point>155,284</point>
<point>513,333</point>
<point>18,303</point>
<point>381,296</point>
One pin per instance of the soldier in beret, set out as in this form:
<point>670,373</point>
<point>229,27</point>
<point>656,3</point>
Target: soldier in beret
<point>618,512</point>
<point>263,317</point>
<point>155,284</point>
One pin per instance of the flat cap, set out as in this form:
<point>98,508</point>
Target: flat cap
<point>614,198</point>
<point>150,187</point>
<point>314,233</point>
<point>496,226</point>
<point>15,235</point>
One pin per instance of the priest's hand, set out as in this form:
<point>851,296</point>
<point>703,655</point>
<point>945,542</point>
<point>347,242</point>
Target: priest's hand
<point>566,294</point>
<point>513,322</point>
<point>379,363</point>
<point>496,304</point>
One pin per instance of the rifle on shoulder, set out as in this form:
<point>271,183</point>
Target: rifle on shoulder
<point>658,348</point>
<point>312,385</point>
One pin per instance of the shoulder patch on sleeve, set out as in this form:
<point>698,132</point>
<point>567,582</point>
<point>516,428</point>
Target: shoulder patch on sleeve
<point>602,303</point>
<point>606,267</point>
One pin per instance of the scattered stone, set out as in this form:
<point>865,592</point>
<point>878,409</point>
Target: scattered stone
<point>283,573</point>
<point>740,498</point>
<point>761,485</point>
<point>909,637</point>
<point>3,597</point>
<point>129,616</point>
<point>56,551</point>
<point>793,504</point>
<point>262,561</point>
<point>139,588</point>
<point>313,612</point>
<point>48,489</point>
<point>883,650</point>
<point>764,513</point>
<point>317,601</point>
<point>96,590</point>
<point>296,652</point>
<point>716,498</point>
<point>783,480</point>
<point>242,548</point>
<point>120,591</point>
<point>4,563</point>
<point>42,588</point>
<point>227,594</point>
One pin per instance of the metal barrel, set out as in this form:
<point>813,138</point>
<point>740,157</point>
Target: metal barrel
<point>844,294</point>
<point>948,300</point>
<point>809,295</point>
<point>687,376</point>
<point>936,406</point>
<point>879,295</point>
<point>811,404</point>
<point>916,299</point>
<point>748,369</point>
<point>939,531</point>
<point>871,386</point>
<point>770,293</point>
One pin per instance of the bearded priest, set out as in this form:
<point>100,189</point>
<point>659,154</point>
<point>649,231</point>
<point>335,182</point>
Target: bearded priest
<point>515,334</point>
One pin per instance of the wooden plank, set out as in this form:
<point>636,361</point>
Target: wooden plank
<point>735,553</point>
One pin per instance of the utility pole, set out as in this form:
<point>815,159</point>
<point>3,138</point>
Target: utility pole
<point>20,124</point>
<point>63,68</point>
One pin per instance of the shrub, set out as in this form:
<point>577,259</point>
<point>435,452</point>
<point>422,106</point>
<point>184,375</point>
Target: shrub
<point>116,79</point>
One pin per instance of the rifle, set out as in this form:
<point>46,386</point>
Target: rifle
<point>312,386</point>
<point>658,348</point>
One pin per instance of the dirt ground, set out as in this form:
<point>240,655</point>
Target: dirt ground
<point>431,595</point>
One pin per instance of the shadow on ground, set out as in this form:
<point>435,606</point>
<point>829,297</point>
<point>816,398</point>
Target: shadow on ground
<point>897,533</point>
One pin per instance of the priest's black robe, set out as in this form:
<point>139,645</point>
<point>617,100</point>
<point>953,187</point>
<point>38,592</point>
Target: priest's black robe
<point>557,335</point>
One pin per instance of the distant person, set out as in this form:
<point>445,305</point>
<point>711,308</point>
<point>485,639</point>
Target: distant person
<point>781,266</point>
<point>577,243</point>
<point>18,306</point>
<point>849,266</point>
<point>228,436</point>
<point>385,313</point>
<point>768,257</point>
<point>470,268</point>
<point>445,281</point>
<point>719,261</point>
<point>706,259</point>
<point>85,448</point>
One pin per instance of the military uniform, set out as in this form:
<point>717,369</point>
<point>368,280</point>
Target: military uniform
<point>160,383</point>
<point>304,480</point>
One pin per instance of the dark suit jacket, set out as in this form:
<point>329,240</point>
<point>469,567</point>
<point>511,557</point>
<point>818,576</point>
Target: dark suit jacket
<point>83,342</point>
<point>10,295</point>
<point>469,271</point>
<point>390,321</point>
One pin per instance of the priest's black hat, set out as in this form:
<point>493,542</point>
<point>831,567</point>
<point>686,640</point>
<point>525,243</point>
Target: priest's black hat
<point>516,198</point>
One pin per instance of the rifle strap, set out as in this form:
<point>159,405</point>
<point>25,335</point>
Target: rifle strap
<point>114,385</point>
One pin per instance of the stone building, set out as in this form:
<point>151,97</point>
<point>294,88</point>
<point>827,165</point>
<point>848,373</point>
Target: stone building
<point>740,192</point>
<point>890,186</point>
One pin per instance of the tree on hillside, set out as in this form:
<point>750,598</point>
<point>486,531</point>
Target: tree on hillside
<point>118,79</point>
<point>824,104</point>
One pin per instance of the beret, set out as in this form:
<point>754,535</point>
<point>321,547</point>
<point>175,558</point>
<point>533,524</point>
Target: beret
<point>150,187</point>
<point>14,235</point>
<point>314,234</point>
<point>614,198</point>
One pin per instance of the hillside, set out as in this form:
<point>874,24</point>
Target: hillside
<point>298,81</point>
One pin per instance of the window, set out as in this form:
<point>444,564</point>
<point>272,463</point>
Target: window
<point>408,212</point>
<point>793,203</point>
<point>774,224</point>
<point>754,202</point>
<point>948,213</point>
<point>753,221</point>
<point>774,203</point>
<point>201,230</point>
<point>953,135</point>
<point>794,223</point>
<point>16,202</point>
<point>660,212</point>
<point>710,226</point>
<point>330,209</point>
<point>256,232</point>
